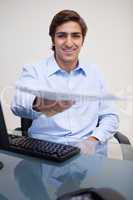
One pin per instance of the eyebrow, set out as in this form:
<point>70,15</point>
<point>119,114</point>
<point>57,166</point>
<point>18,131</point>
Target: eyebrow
<point>65,33</point>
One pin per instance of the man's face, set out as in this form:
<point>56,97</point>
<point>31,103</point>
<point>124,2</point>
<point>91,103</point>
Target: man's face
<point>68,41</point>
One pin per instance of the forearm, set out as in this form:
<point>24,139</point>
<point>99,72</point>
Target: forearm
<point>108,125</point>
<point>22,105</point>
<point>22,102</point>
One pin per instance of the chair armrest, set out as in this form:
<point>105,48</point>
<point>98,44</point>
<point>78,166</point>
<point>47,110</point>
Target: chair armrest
<point>122,139</point>
<point>18,129</point>
<point>23,133</point>
<point>126,147</point>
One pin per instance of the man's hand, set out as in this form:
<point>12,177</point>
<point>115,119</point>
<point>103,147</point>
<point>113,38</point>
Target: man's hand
<point>93,139</point>
<point>88,147</point>
<point>50,107</point>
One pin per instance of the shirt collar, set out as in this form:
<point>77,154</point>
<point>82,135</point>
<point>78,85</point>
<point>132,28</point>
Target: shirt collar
<point>52,67</point>
<point>83,67</point>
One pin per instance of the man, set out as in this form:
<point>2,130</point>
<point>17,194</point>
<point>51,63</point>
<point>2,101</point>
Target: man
<point>90,120</point>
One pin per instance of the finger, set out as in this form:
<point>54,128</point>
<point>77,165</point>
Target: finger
<point>87,148</point>
<point>47,104</point>
<point>65,104</point>
<point>56,107</point>
<point>50,113</point>
<point>37,104</point>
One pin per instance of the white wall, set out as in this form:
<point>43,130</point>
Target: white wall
<point>109,42</point>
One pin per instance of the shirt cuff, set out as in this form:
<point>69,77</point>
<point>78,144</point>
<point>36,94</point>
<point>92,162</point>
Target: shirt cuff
<point>34,113</point>
<point>101,136</point>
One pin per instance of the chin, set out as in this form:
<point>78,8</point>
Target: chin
<point>69,59</point>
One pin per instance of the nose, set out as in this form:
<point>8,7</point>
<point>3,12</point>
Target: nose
<point>69,41</point>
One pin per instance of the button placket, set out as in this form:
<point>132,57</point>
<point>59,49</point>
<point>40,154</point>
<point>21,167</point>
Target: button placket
<point>70,88</point>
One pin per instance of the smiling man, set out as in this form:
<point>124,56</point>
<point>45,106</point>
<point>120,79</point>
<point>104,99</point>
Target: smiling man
<point>67,120</point>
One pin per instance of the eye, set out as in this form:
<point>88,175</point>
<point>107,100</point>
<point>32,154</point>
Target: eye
<point>76,35</point>
<point>61,35</point>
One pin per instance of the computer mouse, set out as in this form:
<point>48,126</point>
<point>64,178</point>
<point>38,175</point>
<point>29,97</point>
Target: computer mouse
<point>93,194</point>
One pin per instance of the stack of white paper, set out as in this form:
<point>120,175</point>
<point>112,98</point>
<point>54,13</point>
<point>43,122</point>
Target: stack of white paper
<point>61,95</point>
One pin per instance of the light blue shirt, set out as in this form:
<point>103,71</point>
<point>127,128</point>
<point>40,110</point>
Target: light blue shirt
<point>78,122</point>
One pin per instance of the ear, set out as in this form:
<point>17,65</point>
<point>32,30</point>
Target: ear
<point>53,46</point>
<point>83,41</point>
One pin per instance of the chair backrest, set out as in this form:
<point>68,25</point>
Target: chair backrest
<point>25,124</point>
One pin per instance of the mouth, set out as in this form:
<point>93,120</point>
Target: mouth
<point>69,50</point>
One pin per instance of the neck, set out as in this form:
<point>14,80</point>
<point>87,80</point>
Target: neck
<point>66,66</point>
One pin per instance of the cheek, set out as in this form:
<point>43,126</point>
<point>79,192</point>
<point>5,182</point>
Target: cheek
<point>58,47</point>
<point>79,46</point>
<point>58,43</point>
<point>79,43</point>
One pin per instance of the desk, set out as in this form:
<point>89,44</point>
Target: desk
<point>28,178</point>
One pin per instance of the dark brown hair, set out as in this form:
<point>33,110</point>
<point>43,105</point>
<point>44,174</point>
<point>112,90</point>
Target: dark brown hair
<point>65,16</point>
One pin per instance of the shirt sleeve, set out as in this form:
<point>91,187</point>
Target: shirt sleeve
<point>22,102</point>
<point>108,119</point>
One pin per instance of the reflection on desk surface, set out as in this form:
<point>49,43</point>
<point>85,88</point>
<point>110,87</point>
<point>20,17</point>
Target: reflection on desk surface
<point>30,178</point>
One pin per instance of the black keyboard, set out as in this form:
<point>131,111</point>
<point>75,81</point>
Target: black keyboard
<point>42,148</point>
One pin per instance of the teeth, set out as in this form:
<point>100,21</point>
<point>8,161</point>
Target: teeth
<point>68,50</point>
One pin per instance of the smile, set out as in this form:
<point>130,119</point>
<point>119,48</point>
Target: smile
<point>69,50</point>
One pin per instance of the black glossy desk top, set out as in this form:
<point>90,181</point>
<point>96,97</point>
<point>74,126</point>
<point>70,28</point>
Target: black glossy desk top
<point>24,177</point>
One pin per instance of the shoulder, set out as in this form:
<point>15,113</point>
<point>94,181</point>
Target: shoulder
<point>93,70</point>
<point>89,66</point>
<point>37,65</point>
<point>37,68</point>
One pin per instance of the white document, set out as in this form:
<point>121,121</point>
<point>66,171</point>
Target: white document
<point>46,93</point>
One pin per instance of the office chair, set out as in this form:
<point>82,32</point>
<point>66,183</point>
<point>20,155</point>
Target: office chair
<point>122,139</point>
